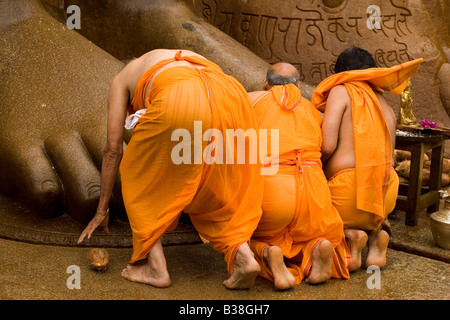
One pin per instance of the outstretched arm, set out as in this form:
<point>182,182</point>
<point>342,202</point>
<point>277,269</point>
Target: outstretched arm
<point>112,154</point>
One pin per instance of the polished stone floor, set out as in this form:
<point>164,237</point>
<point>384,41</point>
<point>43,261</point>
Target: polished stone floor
<point>416,270</point>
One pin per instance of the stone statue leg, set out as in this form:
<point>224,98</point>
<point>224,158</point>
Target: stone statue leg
<point>444,77</point>
<point>55,85</point>
<point>53,111</point>
<point>131,28</point>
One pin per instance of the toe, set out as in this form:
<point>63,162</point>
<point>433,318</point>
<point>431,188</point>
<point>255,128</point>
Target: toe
<point>34,181</point>
<point>79,175</point>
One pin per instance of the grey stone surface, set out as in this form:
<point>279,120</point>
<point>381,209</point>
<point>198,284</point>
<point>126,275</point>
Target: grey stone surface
<point>29,271</point>
<point>33,269</point>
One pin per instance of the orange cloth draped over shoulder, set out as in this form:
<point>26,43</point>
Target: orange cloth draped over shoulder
<point>297,207</point>
<point>163,172</point>
<point>372,141</point>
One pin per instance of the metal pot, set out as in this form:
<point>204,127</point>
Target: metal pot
<point>440,226</point>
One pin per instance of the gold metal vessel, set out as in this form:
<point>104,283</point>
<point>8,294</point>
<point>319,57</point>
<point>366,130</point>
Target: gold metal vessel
<point>440,226</point>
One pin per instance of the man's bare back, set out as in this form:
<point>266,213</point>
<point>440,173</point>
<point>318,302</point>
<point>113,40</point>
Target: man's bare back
<point>153,269</point>
<point>133,71</point>
<point>338,151</point>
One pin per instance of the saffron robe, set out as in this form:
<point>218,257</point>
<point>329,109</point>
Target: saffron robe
<point>222,200</point>
<point>342,188</point>
<point>372,141</point>
<point>297,208</point>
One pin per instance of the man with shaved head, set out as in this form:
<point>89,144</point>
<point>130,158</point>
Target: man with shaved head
<point>300,233</point>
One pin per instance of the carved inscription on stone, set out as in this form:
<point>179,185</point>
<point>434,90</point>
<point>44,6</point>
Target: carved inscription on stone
<point>311,33</point>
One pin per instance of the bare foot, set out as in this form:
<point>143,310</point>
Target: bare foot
<point>356,241</point>
<point>378,244</point>
<point>283,279</point>
<point>246,269</point>
<point>322,259</point>
<point>386,225</point>
<point>152,271</point>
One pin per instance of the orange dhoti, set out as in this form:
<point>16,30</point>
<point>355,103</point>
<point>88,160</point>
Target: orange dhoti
<point>342,187</point>
<point>371,137</point>
<point>160,179</point>
<point>297,208</point>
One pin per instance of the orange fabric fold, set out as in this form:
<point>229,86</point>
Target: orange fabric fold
<point>372,141</point>
<point>284,108</point>
<point>140,100</point>
<point>342,188</point>
<point>297,207</point>
<point>393,79</point>
<point>222,200</point>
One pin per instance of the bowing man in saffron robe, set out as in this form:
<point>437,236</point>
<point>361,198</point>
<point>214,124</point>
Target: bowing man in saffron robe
<point>300,233</point>
<point>176,98</point>
<point>359,139</point>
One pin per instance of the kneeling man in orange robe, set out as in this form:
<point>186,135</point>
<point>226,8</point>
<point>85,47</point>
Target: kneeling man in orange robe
<point>300,233</point>
<point>173,97</point>
<point>358,141</point>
